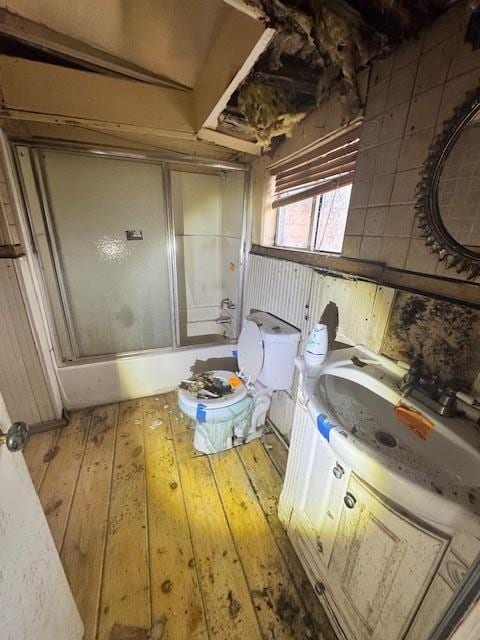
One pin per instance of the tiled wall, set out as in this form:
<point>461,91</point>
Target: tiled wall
<point>412,92</point>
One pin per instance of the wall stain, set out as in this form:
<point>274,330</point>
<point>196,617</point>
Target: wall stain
<point>446,335</point>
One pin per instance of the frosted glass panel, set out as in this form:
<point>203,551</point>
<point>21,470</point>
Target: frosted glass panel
<point>117,288</point>
<point>208,214</point>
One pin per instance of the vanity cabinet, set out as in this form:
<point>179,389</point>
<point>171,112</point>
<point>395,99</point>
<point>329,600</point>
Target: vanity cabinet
<point>371,564</point>
<point>381,565</point>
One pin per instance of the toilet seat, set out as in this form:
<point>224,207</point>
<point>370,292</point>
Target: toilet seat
<point>191,401</point>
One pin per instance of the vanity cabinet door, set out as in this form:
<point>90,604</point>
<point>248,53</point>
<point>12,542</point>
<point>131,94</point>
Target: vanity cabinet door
<point>461,554</point>
<point>314,487</point>
<point>381,566</point>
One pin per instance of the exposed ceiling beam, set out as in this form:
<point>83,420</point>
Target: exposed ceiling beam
<point>245,7</point>
<point>240,42</point>
<point>35,91</point>
<point>224,140</point>
<point>63,46</point>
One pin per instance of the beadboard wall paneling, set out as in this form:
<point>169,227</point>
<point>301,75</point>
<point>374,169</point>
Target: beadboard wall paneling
<point>279,287</point>
<point>22,379</point>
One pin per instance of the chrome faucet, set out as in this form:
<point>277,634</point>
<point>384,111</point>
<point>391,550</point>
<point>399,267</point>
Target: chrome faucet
<point>224,320</point>
<point>411,377</point>
<point>420,384</point>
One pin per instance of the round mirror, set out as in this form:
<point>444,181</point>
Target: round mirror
<point>448,207</point>
<point>459,187</point>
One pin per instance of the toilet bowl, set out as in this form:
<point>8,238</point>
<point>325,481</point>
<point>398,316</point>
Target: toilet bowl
<point>266,350</point>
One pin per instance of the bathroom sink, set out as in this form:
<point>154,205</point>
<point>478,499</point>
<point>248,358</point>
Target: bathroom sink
<point>427,463</point>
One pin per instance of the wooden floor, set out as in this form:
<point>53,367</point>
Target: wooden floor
<point>154,536</point>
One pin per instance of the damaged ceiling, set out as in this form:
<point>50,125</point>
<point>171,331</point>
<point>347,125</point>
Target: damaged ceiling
<point>318,48</point>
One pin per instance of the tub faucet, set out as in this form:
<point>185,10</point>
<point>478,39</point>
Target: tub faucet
<point>226,302</point>
<point>223,320</point>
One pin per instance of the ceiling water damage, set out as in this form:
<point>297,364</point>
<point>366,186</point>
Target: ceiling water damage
<point>319,47</point>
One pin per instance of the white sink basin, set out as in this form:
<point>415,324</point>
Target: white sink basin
<point>433,473</point>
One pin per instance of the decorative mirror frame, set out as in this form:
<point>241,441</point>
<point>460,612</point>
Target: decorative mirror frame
<point>427,209</point>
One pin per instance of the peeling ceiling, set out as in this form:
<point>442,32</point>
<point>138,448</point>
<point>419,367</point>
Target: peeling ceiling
<point>319,47</point>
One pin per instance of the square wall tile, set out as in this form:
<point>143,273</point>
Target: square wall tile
<point>370,132</point>
<point>420,258</point>
<point>387,157</point>
<point>434,66</point>
<point>415,148</point>
<point>360,194</point>
<point>355,222</point>
<point>409,52</point>
<point>381,190</point>
<point>401,85</point>
<point>376,98</point>
<point>424,109</point>
<point>405,186</point>
<point>400,220</point>
<point>365,165</point>
<point>394,251</point>
<point>351,246</point>
<point>454,94</point>
<point>370,248</point>
<point>375,221</point>
<point>393,124</point>
<point>382,69</point>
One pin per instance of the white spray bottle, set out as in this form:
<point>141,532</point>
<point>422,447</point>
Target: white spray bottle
<point>316,349</point>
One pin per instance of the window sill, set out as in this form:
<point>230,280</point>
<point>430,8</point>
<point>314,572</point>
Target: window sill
<point>310,252</point>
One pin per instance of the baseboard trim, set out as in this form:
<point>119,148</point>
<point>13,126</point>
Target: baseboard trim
<point>50,425</point>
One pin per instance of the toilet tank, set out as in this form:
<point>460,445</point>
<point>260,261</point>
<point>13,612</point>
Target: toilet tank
<point>280,344</point>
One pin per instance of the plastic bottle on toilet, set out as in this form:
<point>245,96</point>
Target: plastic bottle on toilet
<point>316,349</point>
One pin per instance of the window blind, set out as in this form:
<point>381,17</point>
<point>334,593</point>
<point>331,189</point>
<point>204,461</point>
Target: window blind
<point>323,169</point>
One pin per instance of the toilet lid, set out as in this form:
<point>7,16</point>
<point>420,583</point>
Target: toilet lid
<point>250,351</point>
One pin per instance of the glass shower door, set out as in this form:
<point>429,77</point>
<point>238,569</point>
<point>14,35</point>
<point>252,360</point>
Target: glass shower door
<point>107,232</point>
<point>208,213</point>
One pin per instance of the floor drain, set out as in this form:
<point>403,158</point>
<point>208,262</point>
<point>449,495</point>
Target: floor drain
<point>385,438</point>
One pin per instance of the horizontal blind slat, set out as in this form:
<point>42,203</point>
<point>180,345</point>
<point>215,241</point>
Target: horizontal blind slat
<point>314,177</point>
<point>329,185</point>
<point>340,141</point>
<point>331,157</point>
<point>313,167</point>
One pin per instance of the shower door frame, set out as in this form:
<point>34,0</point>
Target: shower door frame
<point>34,149</point>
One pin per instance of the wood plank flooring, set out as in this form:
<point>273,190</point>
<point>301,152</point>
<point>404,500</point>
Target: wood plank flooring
<point>159,541</point>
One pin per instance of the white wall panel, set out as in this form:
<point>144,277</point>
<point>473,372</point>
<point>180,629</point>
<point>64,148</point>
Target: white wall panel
<point>363,308</point>
<point>279,287</point>
<point>281,412</point>
<point>22,379</point>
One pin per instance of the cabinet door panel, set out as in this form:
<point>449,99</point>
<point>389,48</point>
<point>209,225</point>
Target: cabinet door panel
<point>460,556</point>
<point>381,566</point>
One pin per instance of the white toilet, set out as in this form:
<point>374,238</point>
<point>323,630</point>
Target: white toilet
<point>266,350</point>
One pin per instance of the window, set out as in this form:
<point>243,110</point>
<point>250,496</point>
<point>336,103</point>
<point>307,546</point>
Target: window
<point>312,194</point>
<point>316,224</point>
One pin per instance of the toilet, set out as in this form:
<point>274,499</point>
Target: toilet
<point>266,350</point>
